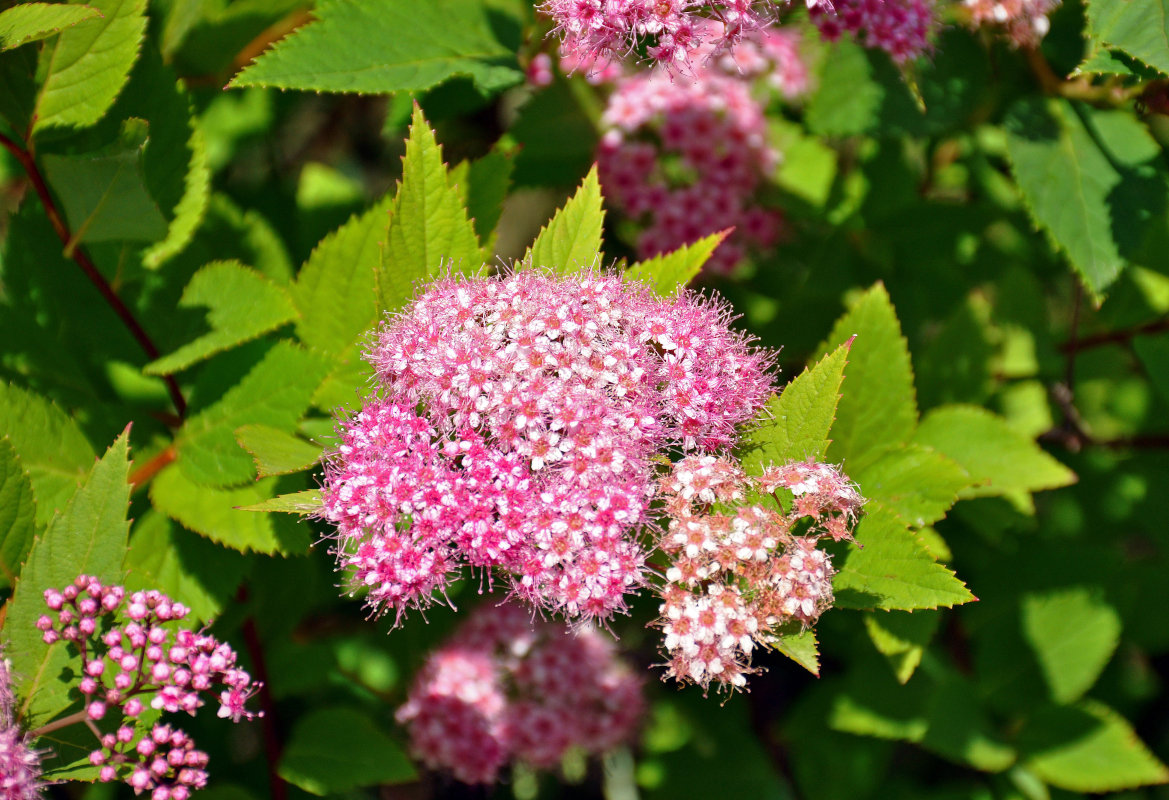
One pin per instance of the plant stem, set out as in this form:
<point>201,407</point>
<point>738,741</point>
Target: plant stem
<point>63,722</point>
<point>78,254</point>
<point>269,722</point>
<point>1115,337</point>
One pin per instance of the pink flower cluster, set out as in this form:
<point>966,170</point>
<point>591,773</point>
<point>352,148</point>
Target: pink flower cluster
<point>736,579</point>
<point>902,28</point>
<point>505,689</point>
<point>20,764</point>
<point>673,32</point>
<point>1024,22</point>
<point>687,158</point>
<point>133,657</point>
<point>516,429</point>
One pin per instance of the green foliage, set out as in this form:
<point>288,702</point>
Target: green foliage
<point>1074,633</point>
<point>1139,28</point>
<point>31,22</point>
<point>572,238</point>
<point>275,451</point>
<point>339,749</point>
<point>669,272</point>
<point>17,514</point>
<point>384,47</point>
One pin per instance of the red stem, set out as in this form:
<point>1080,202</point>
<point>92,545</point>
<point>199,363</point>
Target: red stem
<point>87,266</point>
<point>277,787</point>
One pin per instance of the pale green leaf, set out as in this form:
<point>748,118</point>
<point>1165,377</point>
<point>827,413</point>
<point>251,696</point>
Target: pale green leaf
<point>880,408</point>
<point>1138,27</point>
<point>385,46</point>
<point>277,452</point>
<point>276,393</point>
<point>668,272</point>
<point>304,503</point>
<point>429,231</point>
<point>487,181</point>
<point>52,449</point>
<point>336,750</point>
<point>17,514</point>
<point>918,483</point>
<point>892,569</point>
<point>348,383</point>
<point>800,647</point>
<point>572,238</point>
<point>241,305</point>
<point>901,637</point>
<point>105,196</point>
<point>183,565</point>
<point>31,22</point>
<point>87,538</point>
<point>1088,748</point>
<point>218,515</point>
<point>1092,179</point>
<point>89,64</point>
<point>336,290</point>
<point>190,209</point>
<point>1074,633</point>
<point>999,460</point>
<point>797,422</point>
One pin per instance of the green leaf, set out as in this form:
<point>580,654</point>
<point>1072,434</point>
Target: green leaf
<point>902,637</point>
<point>879,409</point>
<point>217,514</point>
<point>1153,352</point>
<point>52,449</point>
<point>304,503</point>
<point>1074,633</point>
<point>241,305</point>
<point>800,647</point>
<point>87,538</point>
<point>916,482</point>
<point>798,420</point>
<point>17,514</point>
<point>275,451</point>
<point>572,238</point>
<point>385,46</point>
<point>669,272</point>
<point>105,196</point>
<point>183,565</point>
<point>1000,460</point>
<point>556,131</point>
<point>335,750</point>
<point>1138,27</point>
<point>487,181</point>
<point>188,212</point>
<point>1092,179</point>
<point>892,569</point>
<point>1088,748</point>
<point>89,65</point>
<point>336,290</point>
<point>31,22</point>
<point>275,393</point>
<point>429,231</point>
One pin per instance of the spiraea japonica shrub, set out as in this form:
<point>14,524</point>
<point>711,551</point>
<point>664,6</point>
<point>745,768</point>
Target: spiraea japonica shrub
<point>336,462</point>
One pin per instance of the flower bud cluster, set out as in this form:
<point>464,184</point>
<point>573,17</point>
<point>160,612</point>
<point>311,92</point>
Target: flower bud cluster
<point>741,568</point>
<point>1024,22</point>
<point>505,689</point>
<point>687,158</point>
<point>902,28</point>
<point>674,33</point>
<point>516,429</point>
<point>133,658</point>
<point>20,763</point>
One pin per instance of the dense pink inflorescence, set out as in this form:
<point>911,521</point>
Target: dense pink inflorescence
<point>20,763</point>
<point>1024,22</point>
<point>516,428</point>
<point>902,28</point>
<point>737,577</point>
<point>675,33</point>
<point>506,689</point>
<point>686,158</point>
<point>133,657</point>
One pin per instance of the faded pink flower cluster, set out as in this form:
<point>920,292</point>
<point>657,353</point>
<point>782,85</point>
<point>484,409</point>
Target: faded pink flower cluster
<point>1024,22</point>
<point>516,428</point>
<point>133,657</point>
<point>687,158</point>
<point>902,28</point>
<point>736,578</point>
<point>505,689</point>
<point>675,33</point>
<point>20,763</point>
